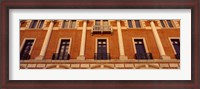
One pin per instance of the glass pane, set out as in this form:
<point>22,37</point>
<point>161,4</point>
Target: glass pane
<point>33,23</point>
<point>162,23</point>
<point>41,23</point>
<point>65,24</point>
<point>130,25</point>
<point>105,22</point>
<point>73,24</point>
<point>137,22</point>
<point>169,23</point>
<point>97,22</point>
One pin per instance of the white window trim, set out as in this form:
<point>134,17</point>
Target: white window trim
<point>172,44</point>
<point>145,44</point>
<point>107,44</point>
<point>23,42</point>
<point>58,46</point>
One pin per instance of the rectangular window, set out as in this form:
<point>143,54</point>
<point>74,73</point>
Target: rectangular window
<point>162,23</point>
<point>36,24</point>
<point>140,50</point>
<point>63,50</point>
<point>65,24</point>
<point>97,22</point>
<point>169,23</point>
<point>176,45</point>
<point>73,24</point>
<point>101,50</point>
<point>24,55</point>
<point>41,23</point>
<point>137,23</point>
<point>130,25</point>
<point>33,23</point>
<point>69,24</point>
<point>105,22</point>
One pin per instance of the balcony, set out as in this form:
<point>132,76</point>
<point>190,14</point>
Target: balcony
<point>144,56</point>
<point>25,56</point>
<point>102,56</point>
<point>177,56</point>
<point>100,29</point>
<point>59,56</point>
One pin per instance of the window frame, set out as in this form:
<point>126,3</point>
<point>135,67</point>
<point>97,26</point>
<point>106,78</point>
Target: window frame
<point>163,23</point>
<point>107,44</point>
<point>69,24</point>
<point>101,22</point>
<point>170,38</point>
<point>59,42</point>
<point>131,23</point>
<point>144,41</point>
<point>37,25</point>
<point>171,24</point>
<point>134,24</point>
<point>167,25</point>
<point>23,43</point>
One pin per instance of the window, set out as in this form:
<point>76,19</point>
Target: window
<point>69,24</point>
<point>137,22</point>
<point>33,23</point>
<point>140,50</point>
<point>101,50</point>
<point>41,23</point>
<point>130,25</point>
<point>63,52</point>
<point>97,22</point>
<point>105,22</point>
<point>24,55</point>
<point>73,24</point>
<point>162,23</point>
<point>169,23</point>
<point>65,24</point>
<point>36,24</point>
<point>176,47</point>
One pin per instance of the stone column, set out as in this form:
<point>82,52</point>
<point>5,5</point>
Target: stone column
<point>46,41</point>
<point>158,41</point>
<point>120,40</point>
<point>83,39</point>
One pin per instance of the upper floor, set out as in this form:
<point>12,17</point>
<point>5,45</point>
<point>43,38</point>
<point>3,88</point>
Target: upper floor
<point>94,25</point>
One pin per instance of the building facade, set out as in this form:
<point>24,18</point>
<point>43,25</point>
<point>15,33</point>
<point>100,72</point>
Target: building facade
<point>100,44</point>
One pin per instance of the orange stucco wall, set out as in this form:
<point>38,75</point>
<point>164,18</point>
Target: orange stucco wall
<point>75,35</point>
<point>128,36</point>
<point>91,42</point>
<point>39,35</point>
<point>164,37</point>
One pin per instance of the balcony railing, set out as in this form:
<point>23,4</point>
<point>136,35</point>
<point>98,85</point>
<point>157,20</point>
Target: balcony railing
<point>102,29</point>
<point>60,56</point>
<point>177,56</point>
<point>25,56</point>
<point>102,56</point>
<point>143,56</point>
